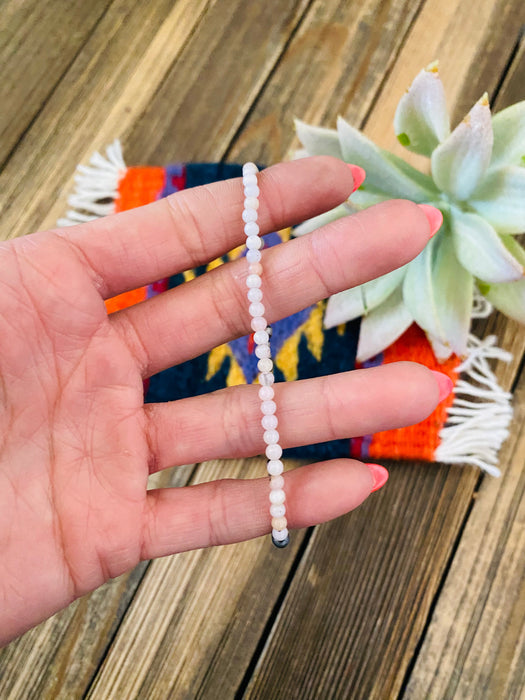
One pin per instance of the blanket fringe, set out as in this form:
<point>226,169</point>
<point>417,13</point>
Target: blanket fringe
<point>475,429</point>
<point>96,187</point>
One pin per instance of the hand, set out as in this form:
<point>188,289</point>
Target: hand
<point>77,442</point>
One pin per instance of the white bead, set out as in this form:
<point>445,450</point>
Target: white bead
<point>251,203</point>
<point>249,215</point>
<point>253,281</point>
<point>275,467</point>
<point>261,336</point>
<point>277,496</point>
<point>271,437</point>
<point>251,191</point>
<point>277,482</point>
<point>273,451</point>
<point>268,407</point>
<point>249,179</point>
<point>262,351</point>
<point>253,256</point>
<point>266,378</point>
<point>265,364</point>
<point>259,324</point>
<point>254,294</point>
<point>253,243</point>
<point>251,229</point>
<point>248,168</point>
<point>266,393</point>
<point>280,535</point>
<point>255,269</point>
<point>268,422</point>
<point>277,510</point>
<point>256,309</point>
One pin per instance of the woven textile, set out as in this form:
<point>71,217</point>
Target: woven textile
<point>301,346</point>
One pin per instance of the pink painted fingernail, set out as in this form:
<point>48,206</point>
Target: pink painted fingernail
<point>434,216</point>
<point>358,174</point>
<point>445,384</point>
<point>379,474</point>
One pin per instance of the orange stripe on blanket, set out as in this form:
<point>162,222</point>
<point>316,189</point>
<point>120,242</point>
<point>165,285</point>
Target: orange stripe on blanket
<point>421,440</point>
<point>139,186</point>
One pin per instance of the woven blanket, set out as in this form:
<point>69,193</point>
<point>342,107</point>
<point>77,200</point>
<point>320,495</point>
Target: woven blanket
<point>467,428</point>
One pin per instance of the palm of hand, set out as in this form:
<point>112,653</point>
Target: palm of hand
<point>77,442</point>
<point>73,500</point>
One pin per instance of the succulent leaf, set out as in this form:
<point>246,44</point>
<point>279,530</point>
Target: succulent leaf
<point>460,162</point>
<point>317,221</point>
<point>421,121</point>
<point>454,295</point>
<point>381,173</point>
<point>383,325</point>
<point>501,199</point>
<point>509,136</point>
<point>344,306</point>
<point>480,250</point>
<point>317,140</point>
<point>508,298</point>
<point>419,293</point>
<point>360,300</point>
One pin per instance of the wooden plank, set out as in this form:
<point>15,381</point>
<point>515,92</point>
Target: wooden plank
<point>196,613</point>
<point>35,51</point>
<point>475,645</point>
<point>170,644</point>
<point>108,85</point>
<point>58,659</point>
<point>383,596</point>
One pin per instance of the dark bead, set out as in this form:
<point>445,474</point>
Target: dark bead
<point>281,543</point>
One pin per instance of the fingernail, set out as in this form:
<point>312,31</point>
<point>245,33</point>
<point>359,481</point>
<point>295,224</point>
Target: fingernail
<point>445,384</point>
<point>358,174</point>
<point>379,474</point>
<point>434,216</point>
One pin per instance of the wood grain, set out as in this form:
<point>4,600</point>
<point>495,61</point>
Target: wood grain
<point>38,42</point>
<point>122,64</point>
<point>58,659</point>
<point>475,645</point>
<point>339,661</point>
<point>213,79</point>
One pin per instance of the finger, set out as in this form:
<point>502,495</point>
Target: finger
<point>309,411</point>
<point>212,309</point>
<point>192,227</point>
<point>232,510</point>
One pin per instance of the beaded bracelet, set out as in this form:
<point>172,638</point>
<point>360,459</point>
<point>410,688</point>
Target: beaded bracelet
<point>261,337</point>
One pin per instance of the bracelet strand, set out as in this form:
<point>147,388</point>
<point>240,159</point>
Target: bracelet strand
<point>261,337</point>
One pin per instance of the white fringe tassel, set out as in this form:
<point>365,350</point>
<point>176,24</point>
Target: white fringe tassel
<point>95,184</point>
<point>475,430</point>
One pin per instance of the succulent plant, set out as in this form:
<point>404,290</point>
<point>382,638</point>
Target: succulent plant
<point>477,180</point>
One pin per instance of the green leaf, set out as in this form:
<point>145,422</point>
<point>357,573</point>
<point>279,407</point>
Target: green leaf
<point>318,141</point>
<point>460,162</point>
<point>317,221</point>
<point>508,298</point>
<point>438,292</point>
<point>421,121</point>
<point>480,250</point>
<point>501,199</point>
<point>360,300</point>
<point>382,326</point>
<point>381,173</point>
<point>509,136</point>
<point>403,139</point>
<point>454,295</point>
<point>419,293</point>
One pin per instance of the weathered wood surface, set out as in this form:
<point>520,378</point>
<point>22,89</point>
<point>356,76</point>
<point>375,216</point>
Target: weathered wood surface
<point>366,606</point>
